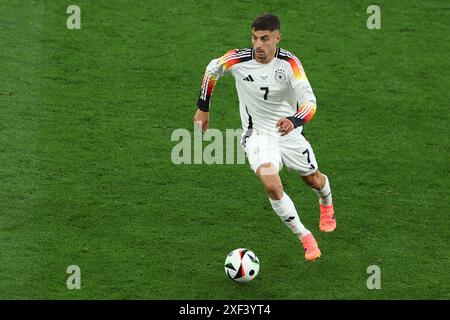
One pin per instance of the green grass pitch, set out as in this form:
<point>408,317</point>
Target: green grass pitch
<point>86,176</point>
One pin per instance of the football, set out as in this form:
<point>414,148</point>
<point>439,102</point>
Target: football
<point>241,265</point>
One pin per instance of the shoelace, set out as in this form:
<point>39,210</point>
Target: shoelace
<point>307,244</point>
<point>326,218</point>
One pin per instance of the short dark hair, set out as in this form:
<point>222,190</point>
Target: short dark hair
<point>266,21</point>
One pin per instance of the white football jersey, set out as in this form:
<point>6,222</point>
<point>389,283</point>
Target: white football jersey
<point>267,92</point>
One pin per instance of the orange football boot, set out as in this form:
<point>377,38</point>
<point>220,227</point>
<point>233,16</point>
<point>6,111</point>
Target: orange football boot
<point>327,220</point>
<point>312,251</point>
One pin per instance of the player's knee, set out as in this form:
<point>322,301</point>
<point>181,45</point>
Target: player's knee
<point>274,190</point>
<point>315,180</point>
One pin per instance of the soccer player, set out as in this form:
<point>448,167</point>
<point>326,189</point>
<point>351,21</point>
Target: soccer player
<point>275,101</point>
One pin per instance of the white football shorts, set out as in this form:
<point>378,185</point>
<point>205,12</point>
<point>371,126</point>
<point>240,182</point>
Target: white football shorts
<point>292,151</point>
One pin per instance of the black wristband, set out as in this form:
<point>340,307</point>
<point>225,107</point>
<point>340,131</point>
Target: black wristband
<point>296,121</point>
<point>203,105</point>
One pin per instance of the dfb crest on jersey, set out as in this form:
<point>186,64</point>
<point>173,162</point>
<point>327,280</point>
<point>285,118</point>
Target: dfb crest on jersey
<point>280,76</point>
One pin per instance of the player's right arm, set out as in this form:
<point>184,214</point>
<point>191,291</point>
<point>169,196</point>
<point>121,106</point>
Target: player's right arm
<point>215,69</point>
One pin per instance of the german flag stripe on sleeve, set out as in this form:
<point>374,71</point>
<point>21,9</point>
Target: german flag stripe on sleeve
<point>235,56</point>
<point>306,111</point>
<point>228,60</point>
<point>297,69</point>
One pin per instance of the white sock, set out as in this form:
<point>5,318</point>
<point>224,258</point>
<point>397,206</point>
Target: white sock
<point>325,194</point>
<point>285,209</point>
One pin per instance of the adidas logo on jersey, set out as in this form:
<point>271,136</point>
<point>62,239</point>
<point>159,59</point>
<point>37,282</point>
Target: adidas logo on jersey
<point>249,78</point>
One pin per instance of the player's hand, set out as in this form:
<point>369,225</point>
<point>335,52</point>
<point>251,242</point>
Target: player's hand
<point>201,119</point>
<point>285,126</point>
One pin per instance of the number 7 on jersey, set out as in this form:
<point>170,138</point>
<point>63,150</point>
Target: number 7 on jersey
<point>266,89</point>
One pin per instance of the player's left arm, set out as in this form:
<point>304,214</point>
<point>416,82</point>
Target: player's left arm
<point>306,101</point>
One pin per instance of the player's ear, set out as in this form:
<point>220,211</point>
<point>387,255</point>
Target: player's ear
<point>278,36</point>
